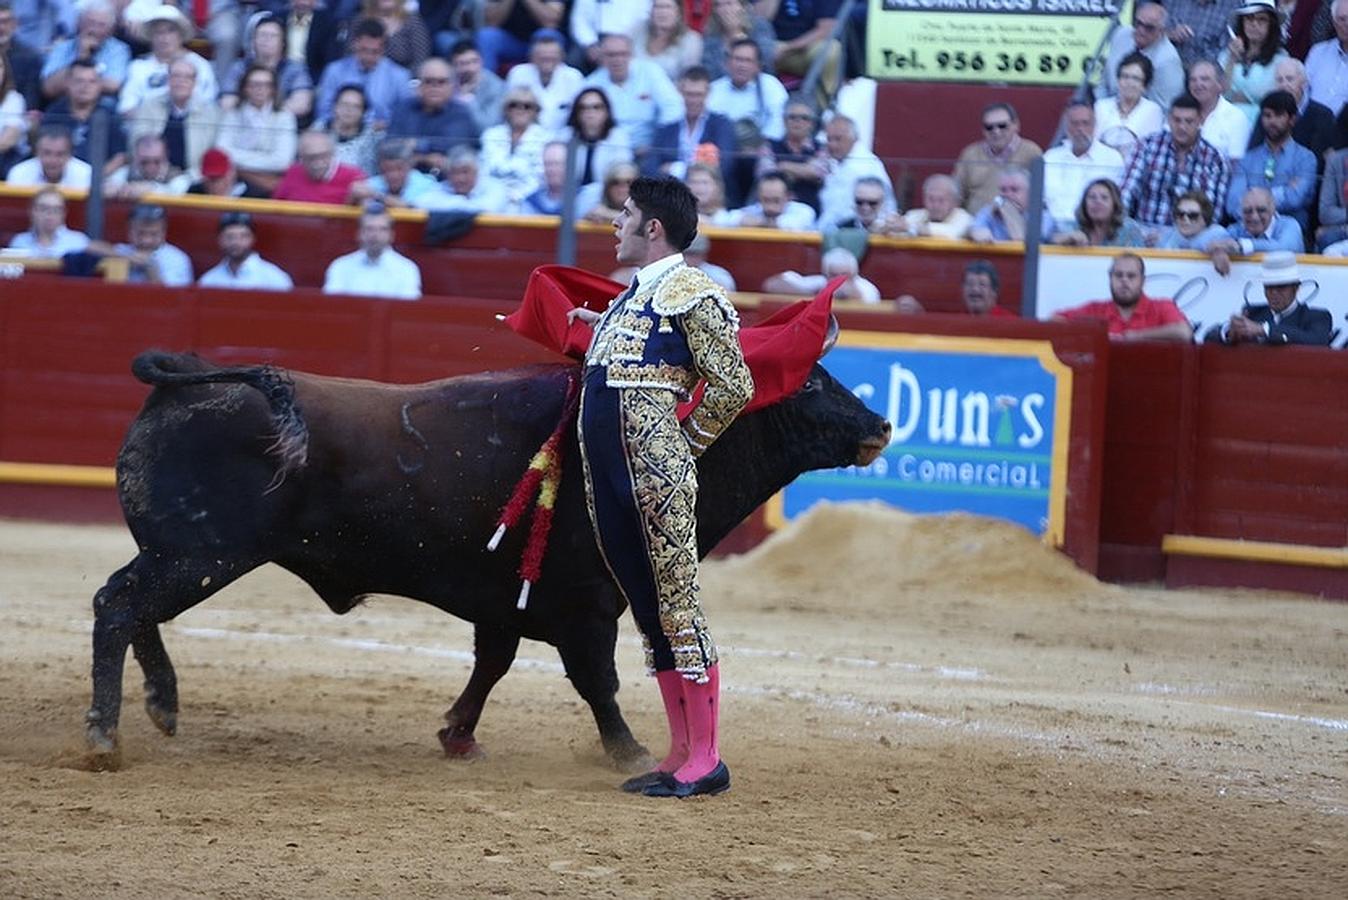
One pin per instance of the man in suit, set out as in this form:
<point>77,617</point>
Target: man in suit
<point>1284,319</point>
<point>678,145</point>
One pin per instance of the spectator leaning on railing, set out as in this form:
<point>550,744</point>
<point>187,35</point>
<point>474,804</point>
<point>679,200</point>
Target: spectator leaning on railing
<point>1129,314</point>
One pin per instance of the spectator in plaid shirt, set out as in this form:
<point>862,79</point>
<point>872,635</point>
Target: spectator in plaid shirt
<point>1168,163</point>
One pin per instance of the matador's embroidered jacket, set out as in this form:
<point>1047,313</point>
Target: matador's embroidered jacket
<point>671,333</point>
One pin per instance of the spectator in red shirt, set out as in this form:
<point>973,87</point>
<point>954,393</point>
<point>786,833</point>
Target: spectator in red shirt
<point>317,177</point>
<point>1131,315</point>
<point>979,290</point>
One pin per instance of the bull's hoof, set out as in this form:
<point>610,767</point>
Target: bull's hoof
<point>460,746</point>
<point>166,720</point>
<point>103,750</point>
<point>631,759</point>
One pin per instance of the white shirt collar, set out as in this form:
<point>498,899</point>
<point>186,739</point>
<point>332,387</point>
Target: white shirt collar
<point>648,273</point>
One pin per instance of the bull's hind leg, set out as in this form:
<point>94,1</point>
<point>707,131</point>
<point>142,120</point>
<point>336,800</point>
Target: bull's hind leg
<point>127,613</point>
<point>587,649</point>
<point>494,652</point>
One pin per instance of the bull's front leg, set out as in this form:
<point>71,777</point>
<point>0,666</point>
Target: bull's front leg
<point>494,652</point>
<point>587,653</point>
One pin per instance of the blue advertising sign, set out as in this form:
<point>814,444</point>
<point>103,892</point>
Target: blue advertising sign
<point>981,425</point>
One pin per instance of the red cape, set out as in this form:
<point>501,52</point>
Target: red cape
<point>779,350</point>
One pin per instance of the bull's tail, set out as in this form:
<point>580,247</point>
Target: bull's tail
<point>291,445</point>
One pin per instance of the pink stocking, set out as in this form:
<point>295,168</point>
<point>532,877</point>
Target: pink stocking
<point>702,704</point>
<point>671,691</point>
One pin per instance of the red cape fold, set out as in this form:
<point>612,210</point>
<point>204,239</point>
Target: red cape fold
<point>780,350</point>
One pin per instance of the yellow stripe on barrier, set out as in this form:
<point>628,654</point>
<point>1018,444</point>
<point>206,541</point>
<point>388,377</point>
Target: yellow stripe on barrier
<point>1255,551</point>
<point>57,475</point>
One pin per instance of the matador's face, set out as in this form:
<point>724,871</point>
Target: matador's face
<point>632,235</point>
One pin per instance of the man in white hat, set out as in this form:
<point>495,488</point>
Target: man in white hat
<point>1284,319</point>
<point>169,31</point>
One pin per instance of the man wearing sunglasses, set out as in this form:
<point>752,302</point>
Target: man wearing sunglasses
<point>1148,37</point>
<point>979,167</point>
<point>434,118</point>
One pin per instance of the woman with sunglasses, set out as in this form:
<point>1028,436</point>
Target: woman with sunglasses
<point>1100,221</point>
<point>603,141</point>
<point>512,152</point>
<point>1193,228</point>
<point>1252,55</point>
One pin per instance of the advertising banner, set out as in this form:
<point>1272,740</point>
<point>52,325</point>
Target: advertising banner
<point>981,425</point>
<point>1072,277</point>
<point>1045,42</point>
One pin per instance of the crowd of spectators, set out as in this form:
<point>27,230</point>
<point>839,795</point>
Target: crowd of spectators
<point>1217,125</point>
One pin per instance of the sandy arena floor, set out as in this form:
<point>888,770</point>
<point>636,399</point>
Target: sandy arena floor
<point>913,708</point>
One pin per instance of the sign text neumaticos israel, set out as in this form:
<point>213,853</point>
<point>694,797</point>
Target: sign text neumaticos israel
<point>980,425</point>
<point>1014,41</point>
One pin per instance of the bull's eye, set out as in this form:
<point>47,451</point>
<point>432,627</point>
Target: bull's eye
<point>809,385</point>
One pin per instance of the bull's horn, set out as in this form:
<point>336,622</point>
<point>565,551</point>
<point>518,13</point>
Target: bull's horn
<point>831,336</point>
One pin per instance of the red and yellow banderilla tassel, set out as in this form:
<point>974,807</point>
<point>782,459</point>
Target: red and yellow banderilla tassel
<point>544,477</point>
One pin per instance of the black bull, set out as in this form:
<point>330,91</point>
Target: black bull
<point>362,488</point>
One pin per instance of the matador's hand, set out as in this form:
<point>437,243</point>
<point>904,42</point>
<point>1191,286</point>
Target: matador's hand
<point>588,316</point>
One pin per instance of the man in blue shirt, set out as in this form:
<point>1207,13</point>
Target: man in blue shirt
<point>384,81</point>
<point>93,41</point>
<point>1260,228</point>
<point>1279,163</point>
<point>437,120</point>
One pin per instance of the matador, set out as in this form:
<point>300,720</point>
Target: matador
<point>672,328</point>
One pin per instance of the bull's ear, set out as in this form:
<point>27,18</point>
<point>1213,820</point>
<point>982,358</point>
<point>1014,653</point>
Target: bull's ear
<point>831,336</point>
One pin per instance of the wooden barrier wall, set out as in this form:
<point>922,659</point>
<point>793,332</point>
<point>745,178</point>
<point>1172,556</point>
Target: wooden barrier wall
<point>1202,452</point>
<point>494,259</point>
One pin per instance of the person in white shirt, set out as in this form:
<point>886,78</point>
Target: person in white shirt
<point>1077,161</point>
<point>592,19</point>
<point>147,76</point>
<point>1327,62</point>
<point>1224,125</point>
<point>838,261</point>
<point>845,162</point>
<point>775,208</point>
<point>52,163</point>
<point>940,214</point>
<point>466,188</point>
<point>640,93</point>
<point>554,83</point>
<point>376,269</point>
<point>242,269</point>
<point>48,237</point>
<point>747,92</point>
<point>153,259</point>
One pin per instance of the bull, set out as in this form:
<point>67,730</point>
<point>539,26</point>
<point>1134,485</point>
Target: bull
<point>361,488</point>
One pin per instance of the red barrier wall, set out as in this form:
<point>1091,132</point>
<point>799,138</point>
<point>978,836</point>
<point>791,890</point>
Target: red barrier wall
<point>1233,443</point>
<point>67,395</point>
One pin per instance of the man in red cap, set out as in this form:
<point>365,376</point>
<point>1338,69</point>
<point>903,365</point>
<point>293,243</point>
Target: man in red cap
<point>218,178</point>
